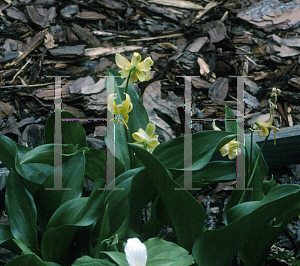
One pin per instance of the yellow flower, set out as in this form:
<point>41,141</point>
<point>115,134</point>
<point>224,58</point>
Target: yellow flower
<point>231,148</point>
<point>121,110</point>
<point>145,139</point>
<point>137,67</point>
<point>264,127</point>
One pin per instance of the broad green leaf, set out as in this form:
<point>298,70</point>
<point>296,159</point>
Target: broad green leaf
<point>158,248</point>
<point>32,175</point>
<point>30,260</point>
<point>96,164</point>
<point>143,190</point>
<point>56,242</point>
<point>118,206</point>
<point>22,212</point>
<point>268,185</point>
<point>88,261</point>
<point>244,221</point>
<point>5,233</point>
<point>118,257</point>
<point>184,221</point>
<point>204,144</point>
<point>72,177</point>
<point>7,241</point>
<point>213,172</point>
<point>72,131</point>
<point>256,250</point>
<point>45,153</point>
<point>159,253</point>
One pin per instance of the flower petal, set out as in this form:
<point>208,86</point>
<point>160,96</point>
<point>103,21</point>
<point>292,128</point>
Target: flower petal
<point>146,64</point>
<point>136,58</point>
<point>140,74</point>
<point>136,252</point>
<point>141,135</point>
<point>150,129</point>
<point>126,105</point>
<point>121,61</point>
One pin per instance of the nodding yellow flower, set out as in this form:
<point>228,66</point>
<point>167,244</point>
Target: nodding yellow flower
<point>121,110</point>
<point>136,252</point>
<point>137,67</point>
<point>231,148</point>
<point>264,127</point>
<point>145,139</point>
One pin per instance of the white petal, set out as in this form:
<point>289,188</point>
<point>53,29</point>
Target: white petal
<point>136,252</point>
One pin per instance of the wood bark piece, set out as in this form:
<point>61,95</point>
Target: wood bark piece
<point>219,89</point>
<point>157,38</point>
<point>15,13</point>
<point>36,41</point>
<point>89,15</point>
<point>178,4</point>
<point>41,16</point>
<point>152,100</point>
<point>85,35</point>
<point>272,14</point>
<point>196,46</point>
<point>76,50</point>
<point>101,51</point>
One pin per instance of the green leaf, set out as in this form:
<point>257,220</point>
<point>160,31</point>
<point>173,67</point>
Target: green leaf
<point>184,221</point>
<point>62,227</point>
<point>72,131</point>
<point>244,221</point>
<point>118,257</point>
<point>96,164</point>
<point>22,212</point>
<point>158,248</point>
<point>48,201</point>
<point>142,191</point>
<point>213,172</point>
<point>268,185</point>
<point>45,153</point>
<point>28,260</point>
<point>32,175</point>
<point>256,250</point>
<point>159,252</point>
<point>117,199</point>
<point>88,261</point>
<point>204,144</point>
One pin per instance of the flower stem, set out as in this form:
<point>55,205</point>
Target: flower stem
<point>256,161</point>
<point>128,78</point>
